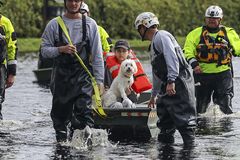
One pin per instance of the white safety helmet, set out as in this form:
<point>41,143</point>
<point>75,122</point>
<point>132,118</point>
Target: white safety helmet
<point>147,19</point>
<point>214,12</point>
<point>84,7</point>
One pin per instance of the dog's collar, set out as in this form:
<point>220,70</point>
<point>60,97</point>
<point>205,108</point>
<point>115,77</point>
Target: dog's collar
<point>127,76</point>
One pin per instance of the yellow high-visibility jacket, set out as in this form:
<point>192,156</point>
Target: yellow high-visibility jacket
<point>6,29</point>
<point>105,40</point>
<point>192,41</point>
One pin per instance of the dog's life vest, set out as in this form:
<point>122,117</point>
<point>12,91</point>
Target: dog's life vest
<point>141,81</point>
<point>211,49</point>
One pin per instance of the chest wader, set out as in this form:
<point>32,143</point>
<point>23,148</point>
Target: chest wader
<point>44,62</point>
<point>3,76</point>
<point>71,88</point>
<point>3,72</point>
<point>219,87</point>
<point>178,111</point>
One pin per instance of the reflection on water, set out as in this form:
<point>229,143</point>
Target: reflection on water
<point>170,152</point>
<point>62,152</point>
<point>26,131</point>
<point>209,126</point>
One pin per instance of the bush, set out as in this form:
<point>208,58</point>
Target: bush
<point>118,16</point>
<point>26,16</point>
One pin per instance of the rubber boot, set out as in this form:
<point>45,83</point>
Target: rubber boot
<point>188,136</point>
<point>76,124</point>
<point>61,136</point>
<point>1,112</point>
<point>226,105</point>
<point>166,136</point>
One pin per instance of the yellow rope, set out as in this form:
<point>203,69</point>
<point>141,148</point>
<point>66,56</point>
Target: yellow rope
<point>99,109</point>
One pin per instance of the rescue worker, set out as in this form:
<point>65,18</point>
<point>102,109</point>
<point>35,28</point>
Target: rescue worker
<point>8,57</point>
<point>172,82</point>
<point>122,51</point>
<point>209,50</point>
<point>70,84</point>
<point>105,39</point>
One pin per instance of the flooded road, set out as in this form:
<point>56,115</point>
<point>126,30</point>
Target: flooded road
<point>26,131</point>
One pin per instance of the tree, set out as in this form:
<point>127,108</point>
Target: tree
<point>118,16</point>
<point>26,16</point>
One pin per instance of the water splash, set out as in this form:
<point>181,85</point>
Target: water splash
<point>86,139</point>
<point>213,111</point>
<point>10,125</point>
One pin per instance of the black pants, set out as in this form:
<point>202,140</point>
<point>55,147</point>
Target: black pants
<point>3,75</point>
<point>219,87</point>
<point>178,112</point>
<point>72,99</point>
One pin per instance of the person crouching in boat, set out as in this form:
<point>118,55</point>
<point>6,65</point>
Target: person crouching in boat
<point>114,59</point>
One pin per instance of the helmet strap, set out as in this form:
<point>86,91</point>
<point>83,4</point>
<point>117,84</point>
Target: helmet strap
<point>144,33</point>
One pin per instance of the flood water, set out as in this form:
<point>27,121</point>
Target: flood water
<point>26,131</point>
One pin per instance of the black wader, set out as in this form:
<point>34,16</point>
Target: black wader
<point>3,70</point>
<point>177,111</point>
<point>219,86</point>
<point>3,76</point>
<point>72,89</point>
<point>72,97</point>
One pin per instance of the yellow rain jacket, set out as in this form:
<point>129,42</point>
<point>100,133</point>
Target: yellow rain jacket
<point>7,30</point>
<point>192,44</point>
<point>105,40</point>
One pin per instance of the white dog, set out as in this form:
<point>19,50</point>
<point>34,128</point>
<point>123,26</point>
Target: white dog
<point>120,84</point>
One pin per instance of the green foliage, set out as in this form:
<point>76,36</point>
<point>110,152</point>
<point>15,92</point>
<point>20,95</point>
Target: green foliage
<point>118,16</point>
<point>176,16</point>
<point>25,15</point>
<point>27,45</point>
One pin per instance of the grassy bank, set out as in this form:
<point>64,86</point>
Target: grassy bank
<point>28,45</point>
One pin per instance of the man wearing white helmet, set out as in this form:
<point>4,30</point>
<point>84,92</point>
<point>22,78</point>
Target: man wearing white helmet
<point>70,83</point>
<point>209,50</point>
<point>105,39</point>
<point>172,80</point>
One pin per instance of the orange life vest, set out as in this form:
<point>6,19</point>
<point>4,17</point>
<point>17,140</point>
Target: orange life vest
<point>141,81</point>
<point>211,50</point>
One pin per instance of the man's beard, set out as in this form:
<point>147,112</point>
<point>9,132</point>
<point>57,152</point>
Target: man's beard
<point>72,12</point>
